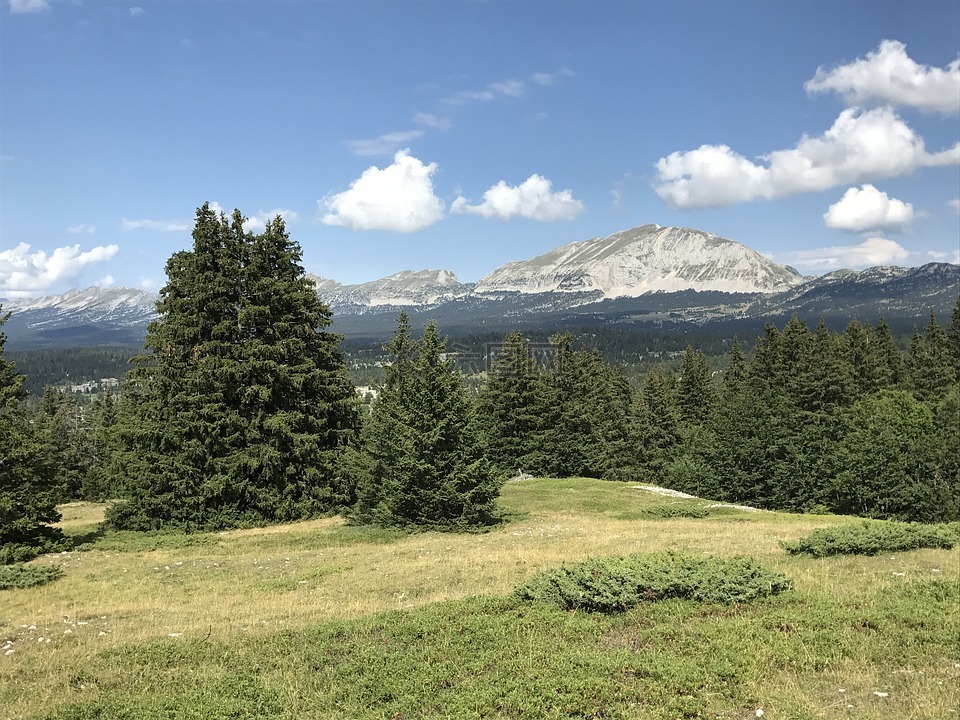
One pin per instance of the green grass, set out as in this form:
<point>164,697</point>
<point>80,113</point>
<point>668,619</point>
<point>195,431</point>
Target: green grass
<point>322,620</point>
<point>20,575</point>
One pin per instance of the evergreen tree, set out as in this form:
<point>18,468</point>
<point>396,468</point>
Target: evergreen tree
<point>519,411</point>
<point>421,458</point>
<point>885,459</point>
<point>658,423</point>
<point>931,362</point>
<point>28,491</point>
<point>953,338</point>
<point>61,425</point>
<point>736,371</point>
<point>888,358</point>
<point>695,389</point>
<point>239,410</point>
<point>593,433</point>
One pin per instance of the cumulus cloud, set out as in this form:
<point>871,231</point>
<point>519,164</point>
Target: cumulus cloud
<point>860,145</point>
<point>386,144</point>
<point>872,251</point>
<point>156,225</point>
<point>867,208</point>
<point>259,221</point>
<point>532,199</point>
<point>889,75</point>
<point>136,10</point>
<point>398,197</point>
<point>955,204</point>
<point>106,281</point>
<point>28,6</point>
<point>81,229</point>
<point>24,273</point>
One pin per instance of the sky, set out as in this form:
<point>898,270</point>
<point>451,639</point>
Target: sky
<point>460,135</point>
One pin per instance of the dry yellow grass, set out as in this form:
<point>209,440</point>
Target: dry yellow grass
<point>253,581</point>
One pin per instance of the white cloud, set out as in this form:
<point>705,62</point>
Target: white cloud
<point>432,121</point>
<point>542,78</point>
<point>938,256</point>
<point>399,198</point>
<point>531,199</point>
<point>861,145</point>
<point>386,144</point>
<point>889,75</point>
<point>28,6</point>
<point>149,284</point>
<point>511,88</point>
<point>872,251</point>
<point>259,221</point>
<point>136,10</point>
<point>506,88</point>
<point>23,273</point>
<point>867,208</point>
<point>106,281</point>
<point>81,229</point>
<point>156,225</point>
<point>955,204</point>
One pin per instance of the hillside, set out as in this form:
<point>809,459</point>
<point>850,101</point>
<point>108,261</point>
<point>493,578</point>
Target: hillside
<point>323,620</point>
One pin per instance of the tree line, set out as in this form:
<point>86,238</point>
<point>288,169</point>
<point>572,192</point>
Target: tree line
<point>240,412</point>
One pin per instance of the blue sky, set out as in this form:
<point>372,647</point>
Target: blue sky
<point>461,135</point>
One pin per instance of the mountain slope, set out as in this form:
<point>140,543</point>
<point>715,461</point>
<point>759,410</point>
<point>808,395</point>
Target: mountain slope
<point>642,260</point>
<point>406,288</point>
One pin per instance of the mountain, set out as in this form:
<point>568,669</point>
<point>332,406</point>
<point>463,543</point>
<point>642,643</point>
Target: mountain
<point>643,260</point>
<point>646,277</point>
<point>876,291</point>
<point>95,316</point>
<point>419,288</point>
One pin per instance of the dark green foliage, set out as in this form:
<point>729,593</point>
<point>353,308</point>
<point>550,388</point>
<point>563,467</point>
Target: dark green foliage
<point>241,409</point>
<point>695,392</point>
<point>421,459</point>
<point>669,512</point>
<point>64,429</point>
<point>593,433</point>
<point>28,486</point>
<point>17,576</point>
<point>931,362</point>
<point>658,425</point>
<point>885,461</point>
<point>519,411</point>
<point>872,538</point>
<point>610,585</point>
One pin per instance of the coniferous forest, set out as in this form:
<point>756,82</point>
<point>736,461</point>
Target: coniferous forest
<point>240,412</point>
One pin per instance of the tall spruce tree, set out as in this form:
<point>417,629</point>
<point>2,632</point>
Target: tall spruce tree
<point>695,391</point>
<point>242,403</point>
<point>519,411</point>
<point>28,487</point>
<point>421,458</point>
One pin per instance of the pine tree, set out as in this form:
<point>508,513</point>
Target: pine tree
<point>28,491</point>
<point>519,410</point>
<point>695,392</point>
<point>953,338</point>
<point>237,413</point>
<point>421,458</point>
<point>931,362</point>
<point>885,460</point>
<point>736,371</point>
<point>658,423</point>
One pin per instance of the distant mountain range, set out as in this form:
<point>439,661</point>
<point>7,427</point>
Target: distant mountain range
<point>644,276</point>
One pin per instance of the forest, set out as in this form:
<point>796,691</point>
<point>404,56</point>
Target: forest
<point>240,412</point>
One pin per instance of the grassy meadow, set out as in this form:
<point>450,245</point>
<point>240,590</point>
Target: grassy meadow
<point>323,620</point>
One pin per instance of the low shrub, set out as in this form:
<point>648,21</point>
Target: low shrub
<point>24,576</point>
<point>667,512</point>
<point>610,585</point>
<point>872,537</point>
